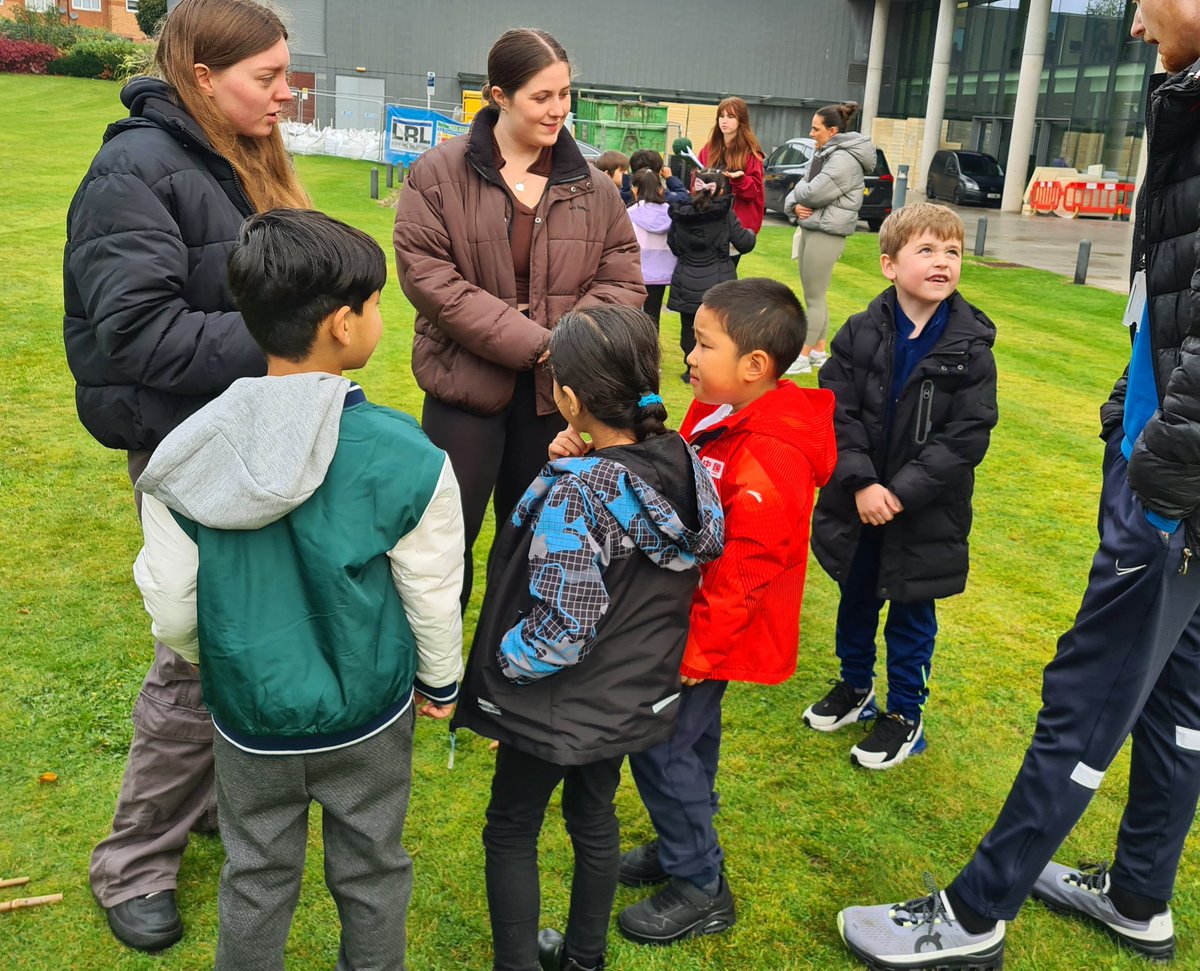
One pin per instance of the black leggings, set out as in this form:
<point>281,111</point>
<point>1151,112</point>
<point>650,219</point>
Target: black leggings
<point>496,456</point>
<point>521,789</point>
<point>654,300</point>
<point>687,333</point>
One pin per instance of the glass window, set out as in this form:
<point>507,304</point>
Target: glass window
<point>979,165</point>
<point>131,6</point>
<point>86,5</point>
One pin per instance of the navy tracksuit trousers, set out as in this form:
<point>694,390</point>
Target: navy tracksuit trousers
<point>677,782</point>
<point>909,633</point>
<point>1131,663</point>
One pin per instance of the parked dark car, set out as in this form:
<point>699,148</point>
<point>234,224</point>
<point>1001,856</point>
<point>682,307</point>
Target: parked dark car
<point>973,177</point>
<point>788,164</point>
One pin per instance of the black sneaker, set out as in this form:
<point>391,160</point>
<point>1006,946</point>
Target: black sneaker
<point>893,739</point>
<point>841,707</point>
<point>679,910</point>
<point>640,867</point>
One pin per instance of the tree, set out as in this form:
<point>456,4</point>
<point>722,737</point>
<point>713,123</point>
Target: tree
<point>149,13</point>
<point>1106,8</point>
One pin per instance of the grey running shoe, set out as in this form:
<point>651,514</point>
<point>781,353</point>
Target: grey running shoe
<point>919,934</point>
<point>1083,892</point>
<point>842,706</point>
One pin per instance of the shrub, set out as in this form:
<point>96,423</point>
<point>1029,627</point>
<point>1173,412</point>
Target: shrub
<point>93,59</point>
<point>25,57</point>
<point>49,28</point>
<point>149,13</point>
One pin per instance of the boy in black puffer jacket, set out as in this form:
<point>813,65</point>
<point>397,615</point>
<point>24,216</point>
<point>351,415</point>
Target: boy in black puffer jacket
<point>702,230</point>
<point>915,383</point>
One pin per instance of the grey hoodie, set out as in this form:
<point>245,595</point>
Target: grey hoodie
<point>252,455</point>
<point>835,192</point>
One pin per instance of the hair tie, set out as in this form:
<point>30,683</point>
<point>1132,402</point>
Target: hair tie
<point>646,400</point>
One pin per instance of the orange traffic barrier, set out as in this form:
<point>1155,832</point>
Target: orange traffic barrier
<point>1045,197</point>
<point>1111,199</point>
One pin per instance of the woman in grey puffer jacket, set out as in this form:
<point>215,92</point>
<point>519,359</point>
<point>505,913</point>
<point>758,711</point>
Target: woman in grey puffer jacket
<point>827,204</point>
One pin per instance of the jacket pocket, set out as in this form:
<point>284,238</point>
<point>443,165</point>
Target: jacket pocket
<point>924,412</point>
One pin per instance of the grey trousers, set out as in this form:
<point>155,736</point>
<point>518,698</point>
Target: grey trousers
<point>816,254</point>
<point>264,799</point>
<point>168,789</point>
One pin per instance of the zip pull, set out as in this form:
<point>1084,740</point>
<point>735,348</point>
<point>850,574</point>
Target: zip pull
<point>453,745</point>
<point>1185,561</point>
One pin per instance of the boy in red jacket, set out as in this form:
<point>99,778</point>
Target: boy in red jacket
<point>767,444</point>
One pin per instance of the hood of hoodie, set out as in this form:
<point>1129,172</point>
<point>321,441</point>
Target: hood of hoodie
<point>801,417</point>
<point>650,216</point>
<point>856,144</point>
<point>650,522</point>
<point>686,212</point>
<point>254,454</point>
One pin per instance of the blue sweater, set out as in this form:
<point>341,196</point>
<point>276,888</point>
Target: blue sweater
<point>1141,402</point>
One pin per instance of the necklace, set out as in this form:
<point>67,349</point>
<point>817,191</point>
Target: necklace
<point>519,186</point>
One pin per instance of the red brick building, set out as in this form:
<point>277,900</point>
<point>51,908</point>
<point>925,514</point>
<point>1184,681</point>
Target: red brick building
<point>116,16</point>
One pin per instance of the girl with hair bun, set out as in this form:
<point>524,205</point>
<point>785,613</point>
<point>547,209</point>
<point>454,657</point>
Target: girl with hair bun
<point>826,204</point>
<point>733,149</point>
<point>500,232</point>
<point>576,656</point>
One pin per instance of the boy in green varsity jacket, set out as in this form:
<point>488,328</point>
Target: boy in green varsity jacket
<point>304,547</point>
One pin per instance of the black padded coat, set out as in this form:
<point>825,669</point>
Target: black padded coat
<point>150,328</point>
<point>940,432</point>
<point>1164,469</point>
<point>701,241</point>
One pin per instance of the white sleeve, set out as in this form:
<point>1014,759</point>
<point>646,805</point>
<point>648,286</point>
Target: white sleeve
<point>427,568</point>
<point>165,572</point>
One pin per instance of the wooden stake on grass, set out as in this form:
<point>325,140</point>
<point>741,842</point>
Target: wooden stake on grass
<point>14,882</point>
<point>22,902</point>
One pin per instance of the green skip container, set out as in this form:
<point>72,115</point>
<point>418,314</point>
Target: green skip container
<point>622,126</point>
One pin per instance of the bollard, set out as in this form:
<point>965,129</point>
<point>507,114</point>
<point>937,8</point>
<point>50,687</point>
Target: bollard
<point>901,188</point>
<point>374,182</point>
<point>1081,262</point>
<point>980,235</point>
<point>391,175</point>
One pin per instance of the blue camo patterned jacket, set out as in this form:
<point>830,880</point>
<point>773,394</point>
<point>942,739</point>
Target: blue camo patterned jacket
<point>585,513</point>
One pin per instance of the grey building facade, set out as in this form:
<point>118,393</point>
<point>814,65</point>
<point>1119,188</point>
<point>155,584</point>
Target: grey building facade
<point>784,57</point>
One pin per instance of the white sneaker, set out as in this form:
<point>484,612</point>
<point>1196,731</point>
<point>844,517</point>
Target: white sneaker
<point>802,365</point>
<point>817,358</point>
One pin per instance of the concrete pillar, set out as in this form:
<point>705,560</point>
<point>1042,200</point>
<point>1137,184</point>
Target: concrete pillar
<point>1025,112</point>
<point>935,110</point>
<point>879,28</point>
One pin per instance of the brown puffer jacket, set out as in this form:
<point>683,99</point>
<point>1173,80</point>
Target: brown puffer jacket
<point>455,263</point>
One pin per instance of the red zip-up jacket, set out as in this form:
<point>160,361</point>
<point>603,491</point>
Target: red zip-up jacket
<point>766,460</point>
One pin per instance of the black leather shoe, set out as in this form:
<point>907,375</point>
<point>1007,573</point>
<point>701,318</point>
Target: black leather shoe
<point>550,943</point>
<point>550,955</point>
<point>640,866</point>
<point>149,923</point>
<point>679,910</point>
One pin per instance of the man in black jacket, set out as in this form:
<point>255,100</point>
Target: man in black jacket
<point>1131,662</point>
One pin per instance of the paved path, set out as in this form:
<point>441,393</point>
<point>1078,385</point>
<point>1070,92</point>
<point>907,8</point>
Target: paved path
<point>1049,243</point>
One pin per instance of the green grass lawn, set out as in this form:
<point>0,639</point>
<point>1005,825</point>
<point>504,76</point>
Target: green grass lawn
<point>805,833</point>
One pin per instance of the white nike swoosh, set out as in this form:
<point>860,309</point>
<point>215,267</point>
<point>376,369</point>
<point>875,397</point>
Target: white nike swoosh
<point>1123,570</point>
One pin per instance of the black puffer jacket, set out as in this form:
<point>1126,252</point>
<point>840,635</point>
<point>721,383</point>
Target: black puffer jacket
<point>940,432</point>
<point>150,328</point>
<point>1164,469</point>
<point>701,240</point>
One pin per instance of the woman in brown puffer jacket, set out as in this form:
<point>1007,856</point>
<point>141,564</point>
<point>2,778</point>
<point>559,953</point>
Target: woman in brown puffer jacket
<point>500,232</point>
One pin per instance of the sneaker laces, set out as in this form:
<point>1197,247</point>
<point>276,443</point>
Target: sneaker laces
<point>930,909</point>
<point>1090,876</point>
<point>844,691</point>
<point>891,725</point>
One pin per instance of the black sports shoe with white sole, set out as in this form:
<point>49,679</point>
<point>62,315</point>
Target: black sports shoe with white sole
<point>893,739</point>
<point>842,706</point>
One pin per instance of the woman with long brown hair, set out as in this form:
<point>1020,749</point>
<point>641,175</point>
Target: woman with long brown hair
<point>734,149</point>
<point>500,232</point>
<point>151,335</point>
